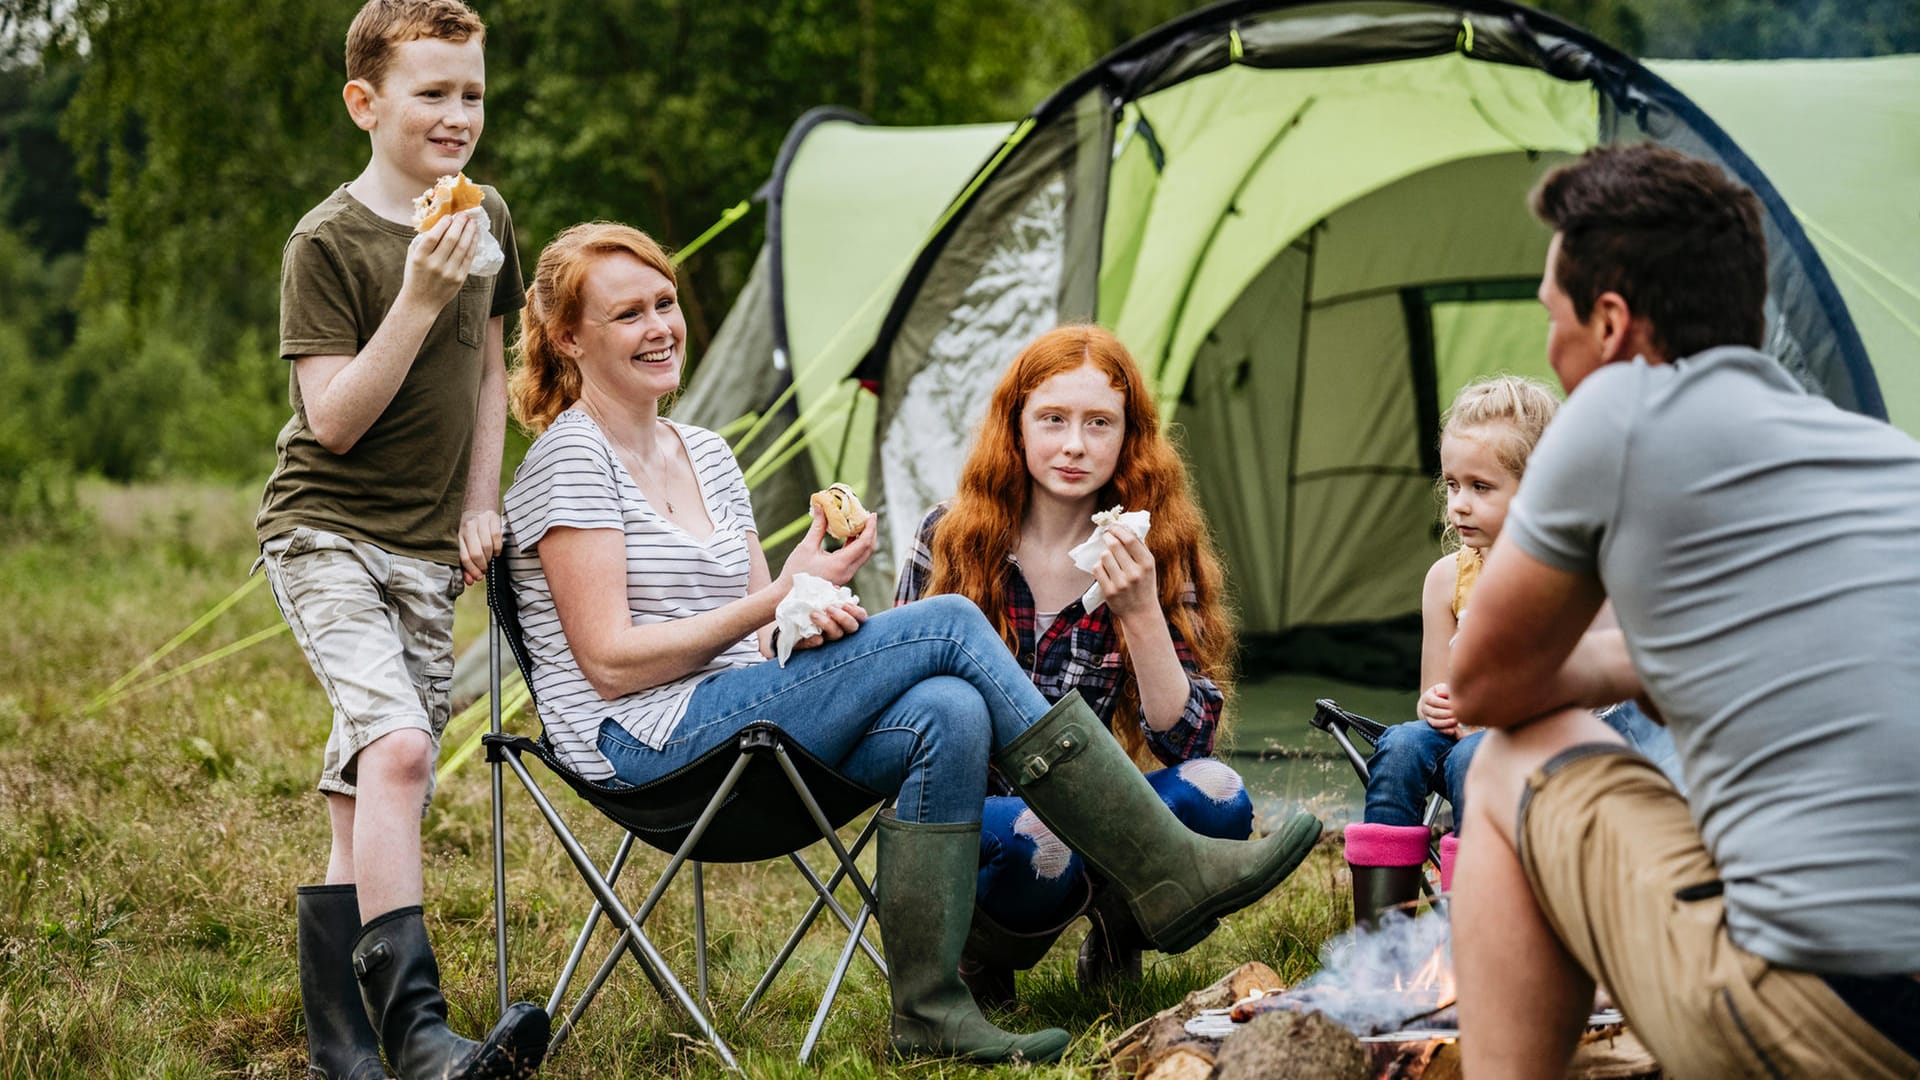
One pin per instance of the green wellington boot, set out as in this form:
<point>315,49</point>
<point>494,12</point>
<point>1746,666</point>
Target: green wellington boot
<point>994,952</point>
<point>925,881</point>
<point>1110,953</point>
<point>1175,882</point>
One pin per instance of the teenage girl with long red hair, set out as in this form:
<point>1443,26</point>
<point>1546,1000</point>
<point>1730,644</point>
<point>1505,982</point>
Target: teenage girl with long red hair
<point>1072,430</point>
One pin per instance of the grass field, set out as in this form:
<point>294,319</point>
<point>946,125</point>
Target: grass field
<point>149,850</point>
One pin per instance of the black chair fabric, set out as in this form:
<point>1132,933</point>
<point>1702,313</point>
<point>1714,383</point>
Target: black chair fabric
<point>763,818</point>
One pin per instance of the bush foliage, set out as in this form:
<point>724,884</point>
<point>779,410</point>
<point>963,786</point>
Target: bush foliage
<point>155,153</point>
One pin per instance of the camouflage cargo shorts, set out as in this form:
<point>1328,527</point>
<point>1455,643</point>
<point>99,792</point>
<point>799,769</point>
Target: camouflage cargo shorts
<point>377,629</point>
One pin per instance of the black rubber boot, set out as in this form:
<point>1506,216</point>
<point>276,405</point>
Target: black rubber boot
<point>925,879</point>
<point>341,1044</point>
<point>993,952</point>
<point>1378,888</point>
<point>1175,882</point>
<point>1388,862</point>
<point>401,985</point>
<point>1111,952</point>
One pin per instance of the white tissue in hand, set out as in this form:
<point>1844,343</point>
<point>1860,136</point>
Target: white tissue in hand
<point>1086,554</point>
<point>487,256</point>
<point>793,616</point>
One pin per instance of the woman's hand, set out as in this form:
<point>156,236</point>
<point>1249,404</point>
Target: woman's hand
<point>835,623</point>
<point>1436,708</point>
<point>1126,574</point>
<point>838,567</point>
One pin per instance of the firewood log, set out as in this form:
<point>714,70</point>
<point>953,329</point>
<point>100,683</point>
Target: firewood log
<point>1191,1060</point>
<point>1131,1049</point>
<point>1292,1044</point>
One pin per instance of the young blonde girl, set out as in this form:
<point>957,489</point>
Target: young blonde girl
<point>1485,440</point>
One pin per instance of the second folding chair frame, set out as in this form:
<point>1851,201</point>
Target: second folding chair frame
<point>633,938</point>
<point>1339,723</point>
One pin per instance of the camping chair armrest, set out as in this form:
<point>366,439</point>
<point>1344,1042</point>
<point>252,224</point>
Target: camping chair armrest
<point>1328,717</point>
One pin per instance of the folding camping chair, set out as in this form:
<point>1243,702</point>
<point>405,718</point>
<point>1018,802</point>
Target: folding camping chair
<point>1343,725</point>
<point>758,797</point>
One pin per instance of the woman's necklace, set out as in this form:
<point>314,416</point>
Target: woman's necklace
<point>633,458</point>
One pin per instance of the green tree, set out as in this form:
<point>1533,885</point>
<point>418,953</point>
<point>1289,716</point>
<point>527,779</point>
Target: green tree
<point>139,253</point>
<point>663,113</point>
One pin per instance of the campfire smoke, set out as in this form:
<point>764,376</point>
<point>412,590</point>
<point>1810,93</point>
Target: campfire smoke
<point>1378,981</point>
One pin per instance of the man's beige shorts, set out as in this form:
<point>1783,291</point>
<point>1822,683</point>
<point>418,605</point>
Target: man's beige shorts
<point>1624,879</point>
<point>377,629</point>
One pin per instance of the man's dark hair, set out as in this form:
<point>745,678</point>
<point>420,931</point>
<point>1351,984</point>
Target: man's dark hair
<point>1676,237</point>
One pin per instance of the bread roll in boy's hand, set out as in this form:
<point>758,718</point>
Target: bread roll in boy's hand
<point>846,518</point>
<point>449,195</point>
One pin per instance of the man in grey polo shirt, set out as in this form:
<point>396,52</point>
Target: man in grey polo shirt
<point>1761,548</point>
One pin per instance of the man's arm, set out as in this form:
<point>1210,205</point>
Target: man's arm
<point>343,395</point>
<point>1526,650</point>
<point>480,535</point>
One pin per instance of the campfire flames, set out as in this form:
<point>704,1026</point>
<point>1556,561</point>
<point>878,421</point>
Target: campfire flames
<point>1376,983</point>
<point>1424,997</point>
<point>1435,977</point>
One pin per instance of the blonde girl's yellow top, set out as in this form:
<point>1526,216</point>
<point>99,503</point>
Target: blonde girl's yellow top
<point>1466,563</point>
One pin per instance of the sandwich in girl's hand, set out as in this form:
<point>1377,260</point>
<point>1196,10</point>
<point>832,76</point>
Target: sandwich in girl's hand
<point>846,518</point>
<point>1086,554</point>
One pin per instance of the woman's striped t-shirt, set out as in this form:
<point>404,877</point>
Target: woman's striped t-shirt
<point>571,477</point>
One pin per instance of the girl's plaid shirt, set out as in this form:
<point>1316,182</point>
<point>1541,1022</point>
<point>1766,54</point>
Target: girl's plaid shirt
<point>1081,651</point>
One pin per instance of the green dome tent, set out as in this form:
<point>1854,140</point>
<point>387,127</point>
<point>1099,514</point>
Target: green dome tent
<point>1307,222</point>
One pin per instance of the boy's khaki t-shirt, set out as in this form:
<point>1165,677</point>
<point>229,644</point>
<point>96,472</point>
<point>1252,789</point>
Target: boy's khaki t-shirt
<point>402,485</point>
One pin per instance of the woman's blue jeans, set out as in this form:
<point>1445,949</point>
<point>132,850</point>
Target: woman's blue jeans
<point>1029,879</point>
<point>915,702</point>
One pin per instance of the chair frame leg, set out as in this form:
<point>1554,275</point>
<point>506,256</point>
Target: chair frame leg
<point>633,939</point>
<point>1338,730</point>
<point>499,824</point>
<point>700,935</point>
<point>858,937</point>
<point>632,936</point>
<point>587,928</point>
<point>806,921</point>
<point>855,925</point>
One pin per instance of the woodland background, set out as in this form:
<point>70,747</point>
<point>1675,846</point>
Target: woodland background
<point>154,155</point>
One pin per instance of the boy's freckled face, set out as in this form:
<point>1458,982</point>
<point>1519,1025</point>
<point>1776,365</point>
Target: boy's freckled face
<point>430,109</point>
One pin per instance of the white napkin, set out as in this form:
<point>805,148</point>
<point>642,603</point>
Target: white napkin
<point>1086,554</point>
<point>487,256</point>
<point>793,616</point>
